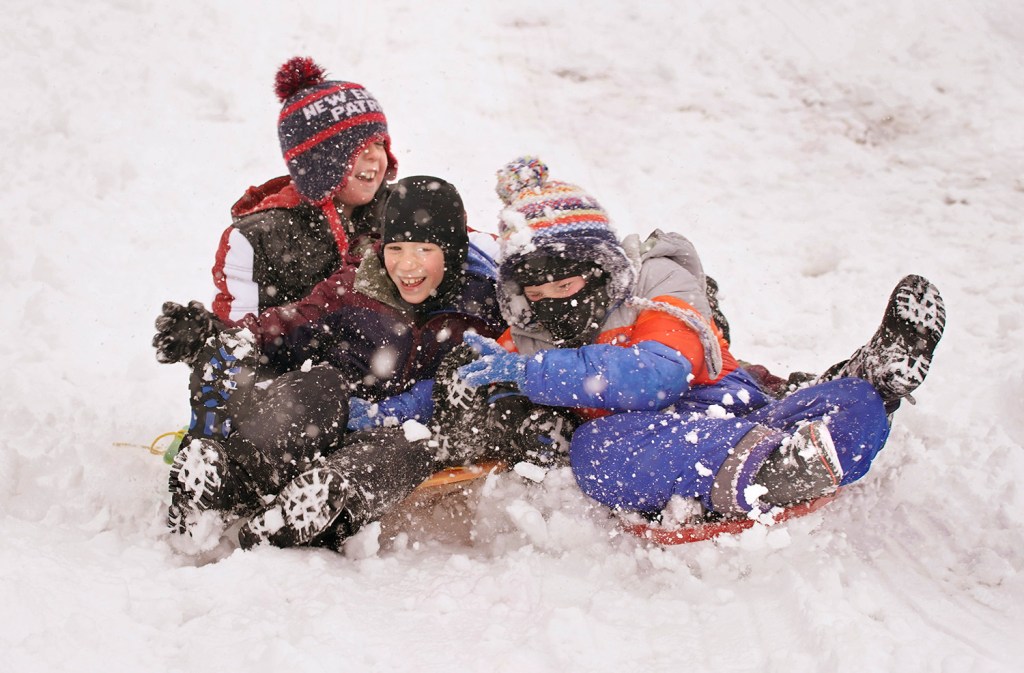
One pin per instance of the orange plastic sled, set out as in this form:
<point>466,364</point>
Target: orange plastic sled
<point>453,475</point>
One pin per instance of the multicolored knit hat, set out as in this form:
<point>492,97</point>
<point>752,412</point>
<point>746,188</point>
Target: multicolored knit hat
<point>557,220</point>
<point>324,126</point>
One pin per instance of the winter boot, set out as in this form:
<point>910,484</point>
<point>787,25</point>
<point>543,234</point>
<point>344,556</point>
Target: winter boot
<point>305,508</point>
<point>226,364</point>
<point>359,483</point>
<point>198,481</point>
<point>461,426</point>
<point>897,358</point>
<point>530,432</point>
<point>804,467</point>
<point>202,478</point>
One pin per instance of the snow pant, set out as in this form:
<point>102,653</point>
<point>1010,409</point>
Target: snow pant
<point>379,468</point>
<point>639,460</point>
<point>285,427</point>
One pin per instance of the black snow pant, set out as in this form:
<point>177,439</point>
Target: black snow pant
<point>381,467</point>
<point>281,428</point>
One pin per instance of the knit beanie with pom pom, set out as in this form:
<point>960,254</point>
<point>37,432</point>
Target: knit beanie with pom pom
<point>323,127</point>
<point>551,230</point>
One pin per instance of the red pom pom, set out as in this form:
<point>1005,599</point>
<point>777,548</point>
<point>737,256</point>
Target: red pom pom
<point>297,74</point>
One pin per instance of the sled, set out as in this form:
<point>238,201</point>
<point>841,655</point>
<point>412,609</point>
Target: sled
<point>441,509</point>
<point>699,531</point>
<point>458,473</point>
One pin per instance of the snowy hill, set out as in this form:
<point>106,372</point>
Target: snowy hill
<point>814,152</point>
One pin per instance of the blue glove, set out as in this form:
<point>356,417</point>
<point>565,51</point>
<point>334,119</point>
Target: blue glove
<point>496,365</point>
<point>361,414</point>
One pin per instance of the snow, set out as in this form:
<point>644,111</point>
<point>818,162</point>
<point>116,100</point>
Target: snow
<point>813,152</point>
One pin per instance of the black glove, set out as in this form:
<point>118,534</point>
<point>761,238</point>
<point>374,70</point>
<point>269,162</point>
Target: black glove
<point>181,331</point>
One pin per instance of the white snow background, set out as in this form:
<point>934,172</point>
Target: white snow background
<point>814,151</point>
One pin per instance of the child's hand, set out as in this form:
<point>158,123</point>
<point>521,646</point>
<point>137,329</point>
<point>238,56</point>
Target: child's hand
<point>496,365</point>
<point>361,414</point>
<point>181,331</point>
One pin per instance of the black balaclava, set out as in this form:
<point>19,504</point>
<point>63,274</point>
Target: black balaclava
<point>425,209</point>
<point>573,321</point>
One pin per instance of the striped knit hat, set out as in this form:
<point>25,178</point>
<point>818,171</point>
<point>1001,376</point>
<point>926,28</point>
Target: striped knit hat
<point>324,126</point>
<point>556,220</point>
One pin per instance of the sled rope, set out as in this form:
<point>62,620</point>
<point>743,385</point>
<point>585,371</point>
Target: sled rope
<point>152,448</point>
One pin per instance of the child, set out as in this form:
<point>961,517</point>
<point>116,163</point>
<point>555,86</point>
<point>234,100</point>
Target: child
<point>622,333</point>
<point>294,231</point>
<point>378,330</point>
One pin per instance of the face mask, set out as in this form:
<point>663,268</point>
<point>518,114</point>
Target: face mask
<point>574,321</point>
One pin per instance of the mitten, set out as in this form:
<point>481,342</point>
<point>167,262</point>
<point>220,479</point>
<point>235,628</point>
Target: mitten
<point>496,365</point>
<point>361,414</point>
<point>181,331</point>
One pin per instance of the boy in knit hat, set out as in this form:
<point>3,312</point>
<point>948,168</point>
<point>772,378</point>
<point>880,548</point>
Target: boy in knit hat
<point>292,232</point>
<point>621,332</point>
<point>379,332</point>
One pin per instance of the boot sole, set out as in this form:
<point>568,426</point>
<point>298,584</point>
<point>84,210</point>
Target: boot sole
<point>917,303</point>
<point>198,474</point>
<point>307,506</point>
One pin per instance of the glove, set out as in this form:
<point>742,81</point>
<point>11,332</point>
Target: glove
<point>361,414</point>
<point>496,365</point>
<point>181,331</point>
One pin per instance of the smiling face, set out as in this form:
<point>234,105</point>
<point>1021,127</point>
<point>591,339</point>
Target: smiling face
<point>365,178</point>
<point>416,269</point>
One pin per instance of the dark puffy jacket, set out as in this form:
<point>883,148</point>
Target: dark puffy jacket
<point>355,322</point>
<point>279,247</point>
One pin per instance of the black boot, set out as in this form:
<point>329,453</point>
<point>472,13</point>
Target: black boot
<point>802,468</point>
<point>461,416</point>
<point>203,477</point>
<point>359,483</point>
<point>897,358</point>
<point>304,509</point>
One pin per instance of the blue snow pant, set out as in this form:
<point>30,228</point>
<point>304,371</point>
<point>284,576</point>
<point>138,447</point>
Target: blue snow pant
<point>638,460</point>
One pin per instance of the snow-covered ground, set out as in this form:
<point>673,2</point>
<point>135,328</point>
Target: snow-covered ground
<point>814,151</point>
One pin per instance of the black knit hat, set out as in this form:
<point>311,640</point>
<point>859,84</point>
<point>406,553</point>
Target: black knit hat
<point>324,126</point>
<point>426,209</point>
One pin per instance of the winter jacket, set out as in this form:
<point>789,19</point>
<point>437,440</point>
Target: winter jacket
<point>676,415</point>
<point>656,343</point>
<point>278,247</point>
<point>355,322</point>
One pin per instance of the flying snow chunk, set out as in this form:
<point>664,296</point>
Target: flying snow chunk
<point>415,431</point>
<point>384,363</point>
<point>534,473</point>
<point>595,385</point>
<point>306,366</point>
<point>365,543</point>
<point>753,493</point>
<point>716,411</point>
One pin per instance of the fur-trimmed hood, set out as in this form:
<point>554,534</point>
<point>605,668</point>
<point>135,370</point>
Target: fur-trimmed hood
<point>666,265</point>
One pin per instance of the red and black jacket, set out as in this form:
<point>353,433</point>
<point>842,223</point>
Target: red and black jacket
<point>279,247</point>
